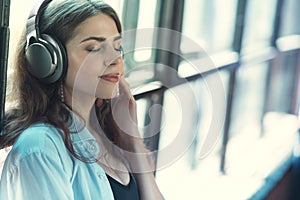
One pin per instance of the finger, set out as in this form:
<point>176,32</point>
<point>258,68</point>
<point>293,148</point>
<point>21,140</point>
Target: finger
<point>124,88</point>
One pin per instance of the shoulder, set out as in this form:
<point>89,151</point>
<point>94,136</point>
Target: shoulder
<point>38,159</point>
<point>38,136</point>
<point>38,139</point>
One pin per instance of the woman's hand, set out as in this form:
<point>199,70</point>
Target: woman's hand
<point>124,110</point>
<point>118,118</point>
<point>127,137</point>
<point>121,127</point>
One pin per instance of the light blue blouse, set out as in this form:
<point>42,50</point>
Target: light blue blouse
<point>40,167</point>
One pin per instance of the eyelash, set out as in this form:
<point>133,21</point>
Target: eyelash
<point>89,49</point>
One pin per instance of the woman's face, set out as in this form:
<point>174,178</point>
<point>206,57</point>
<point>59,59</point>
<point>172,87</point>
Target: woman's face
<point>95,65</point>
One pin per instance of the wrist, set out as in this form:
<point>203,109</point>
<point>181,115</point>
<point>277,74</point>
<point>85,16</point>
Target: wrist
<point>140,159</point>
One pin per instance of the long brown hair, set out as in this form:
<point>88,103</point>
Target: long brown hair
<point>33,101</point>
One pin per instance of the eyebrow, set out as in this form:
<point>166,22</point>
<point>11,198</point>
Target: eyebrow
<point>100,39</point>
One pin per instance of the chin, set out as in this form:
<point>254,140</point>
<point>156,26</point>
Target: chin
<point>108,94</point>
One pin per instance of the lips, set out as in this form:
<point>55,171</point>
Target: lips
<point>113,77</point>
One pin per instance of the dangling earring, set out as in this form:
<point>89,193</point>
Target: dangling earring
<point>62,96</point>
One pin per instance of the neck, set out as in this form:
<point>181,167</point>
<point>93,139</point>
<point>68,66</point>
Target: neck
<point>83,104</point>
<point>80,103</point>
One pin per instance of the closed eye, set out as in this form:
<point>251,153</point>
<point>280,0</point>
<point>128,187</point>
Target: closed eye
<point>94,49</point>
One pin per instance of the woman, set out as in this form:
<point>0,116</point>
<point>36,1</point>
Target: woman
<point>69,140</point>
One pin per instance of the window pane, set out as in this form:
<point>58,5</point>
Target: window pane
<point>117,6</point>
<point>284,77</point>
<point>290,18</point>
<point>141,112</point>
<point>138,41</point>
<point>259,24</point>
<point>146,19</point>
<point>210,23</point>
<point>19,11</point>
<point>249,98</point>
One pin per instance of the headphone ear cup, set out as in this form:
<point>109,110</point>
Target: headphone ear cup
<point>39,60</point>
<point>47,59</point>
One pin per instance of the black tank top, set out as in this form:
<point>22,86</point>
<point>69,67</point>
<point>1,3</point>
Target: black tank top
<point>124,192</point>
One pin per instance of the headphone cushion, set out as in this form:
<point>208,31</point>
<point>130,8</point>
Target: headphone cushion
<point>47,59</point>
<point>39,59</point>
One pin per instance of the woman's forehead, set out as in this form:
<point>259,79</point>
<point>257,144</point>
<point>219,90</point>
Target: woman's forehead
<point>99,25</point>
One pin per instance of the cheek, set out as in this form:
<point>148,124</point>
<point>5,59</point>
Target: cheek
<point>83,73</point>
<point>72,71</point>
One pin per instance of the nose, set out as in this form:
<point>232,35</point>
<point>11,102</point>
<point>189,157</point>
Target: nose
<point>112,57</point>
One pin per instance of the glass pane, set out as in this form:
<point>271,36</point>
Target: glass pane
<point>259,24</point>
<point>249,99</point>
<point>290,23</point>
<point>179,124</point>
<point>141,114</point>
<point>209,23</point>
<point>19,11</point>
<point>284,77</point>
<point>117,6</point>
<point>187,121</point>
<point>138,43</point>
<point>146,19</point>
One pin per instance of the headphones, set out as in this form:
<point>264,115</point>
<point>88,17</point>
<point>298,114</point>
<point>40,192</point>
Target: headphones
<point>46,56</point>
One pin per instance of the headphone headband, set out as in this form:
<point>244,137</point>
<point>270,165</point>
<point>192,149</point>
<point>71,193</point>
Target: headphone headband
<point>32,25</point>
<point>46,56</point>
